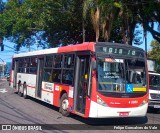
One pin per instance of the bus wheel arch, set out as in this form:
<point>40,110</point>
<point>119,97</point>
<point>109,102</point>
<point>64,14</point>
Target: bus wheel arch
<point>25,90</point>
<point>64,104</point>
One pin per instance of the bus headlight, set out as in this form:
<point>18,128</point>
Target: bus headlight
<point>143,102</point>
<point>101,102</point>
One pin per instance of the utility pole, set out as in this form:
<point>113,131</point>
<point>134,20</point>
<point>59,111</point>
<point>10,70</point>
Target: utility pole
<point>145,37</point>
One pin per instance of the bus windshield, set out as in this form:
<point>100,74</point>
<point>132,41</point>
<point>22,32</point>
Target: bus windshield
<point>121,75</point>
<point>154,82</point>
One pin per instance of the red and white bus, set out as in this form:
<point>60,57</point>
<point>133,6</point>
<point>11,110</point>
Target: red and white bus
<point>96,80</point>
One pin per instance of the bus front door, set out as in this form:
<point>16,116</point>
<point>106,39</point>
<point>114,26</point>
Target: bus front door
<point>81,83</point>
<point>15,74</point>
<point>40,65</point>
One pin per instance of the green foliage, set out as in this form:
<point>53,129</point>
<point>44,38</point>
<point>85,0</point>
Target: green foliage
<point>155,54</point>
<point>60,21</point>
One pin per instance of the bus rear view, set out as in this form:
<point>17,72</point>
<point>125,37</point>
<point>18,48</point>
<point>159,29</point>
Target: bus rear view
<point>121,83</point>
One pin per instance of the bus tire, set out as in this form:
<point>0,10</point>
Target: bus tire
<point>64,105</point>
<point>25,91</point>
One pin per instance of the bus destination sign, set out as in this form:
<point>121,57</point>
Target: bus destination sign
<point>120,51</point>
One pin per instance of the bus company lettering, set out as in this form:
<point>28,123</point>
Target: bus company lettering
<point>117,103</point>
<point>111,77</point>
<point>47,100</point>
<point>133,102</point>
<point>48,86</point>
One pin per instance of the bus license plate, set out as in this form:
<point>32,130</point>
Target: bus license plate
<point>123,113</point>
<point>156,106</point>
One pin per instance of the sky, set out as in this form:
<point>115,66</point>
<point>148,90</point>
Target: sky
<point>8,52</point>
<point>149,38</point>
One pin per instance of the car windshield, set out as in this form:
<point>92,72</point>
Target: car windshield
<point>154,81</point>
<point>121,75</point>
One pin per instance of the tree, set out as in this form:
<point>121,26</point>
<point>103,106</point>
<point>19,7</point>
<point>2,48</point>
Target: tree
<point>118,18</point>
<point>2,6</point>
<point>145,13</point>
<point>155,54</point>
<point>58,22</point>
<point>55,22</point>
<point>112,20</point>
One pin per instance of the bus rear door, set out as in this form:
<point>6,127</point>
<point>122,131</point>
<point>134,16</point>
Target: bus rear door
<point>40,65</point>
<point>15,73</point>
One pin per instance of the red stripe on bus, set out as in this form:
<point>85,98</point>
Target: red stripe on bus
<point>31,86</point>
<point>78,47</point>
<point>47,91</point>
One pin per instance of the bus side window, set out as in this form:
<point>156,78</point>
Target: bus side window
<point>48,69</point>
<point>67,73</point>
<point>49,61</point>
<point>56,75</point>
<point>20,66</point>
<point>33,65</point>
<point>69,61</point>
<point>67,77</point>
<point>47,75</point>
<point>26,65</point>
<point>57,61</point>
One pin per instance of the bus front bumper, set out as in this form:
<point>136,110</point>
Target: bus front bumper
<point>99,111</point>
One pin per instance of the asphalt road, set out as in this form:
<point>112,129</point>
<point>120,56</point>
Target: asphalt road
<point>17,110</point>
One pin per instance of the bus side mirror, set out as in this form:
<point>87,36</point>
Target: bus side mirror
<point>94,65</point>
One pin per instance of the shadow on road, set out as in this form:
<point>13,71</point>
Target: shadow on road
<point>101,121</point>
<point>112,121</point>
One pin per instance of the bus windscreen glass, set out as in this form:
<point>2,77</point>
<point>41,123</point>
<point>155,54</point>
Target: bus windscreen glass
<point>121,75</point>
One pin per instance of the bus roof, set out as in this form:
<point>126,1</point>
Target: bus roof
<point>70,48</point>
<point>154,73</point>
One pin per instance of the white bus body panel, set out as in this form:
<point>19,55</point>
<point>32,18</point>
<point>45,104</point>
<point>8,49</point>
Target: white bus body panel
<point>11,79</point>
<point>47,92</point>
<point>30,80</point>
<point>99,111</point>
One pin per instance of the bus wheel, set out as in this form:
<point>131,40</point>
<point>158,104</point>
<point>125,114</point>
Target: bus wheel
<point>19,90</point>
<point>25,92</point>
<point>64,105</point>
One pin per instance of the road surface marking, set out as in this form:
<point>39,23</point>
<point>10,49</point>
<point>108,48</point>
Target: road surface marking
<point>3,90</point>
